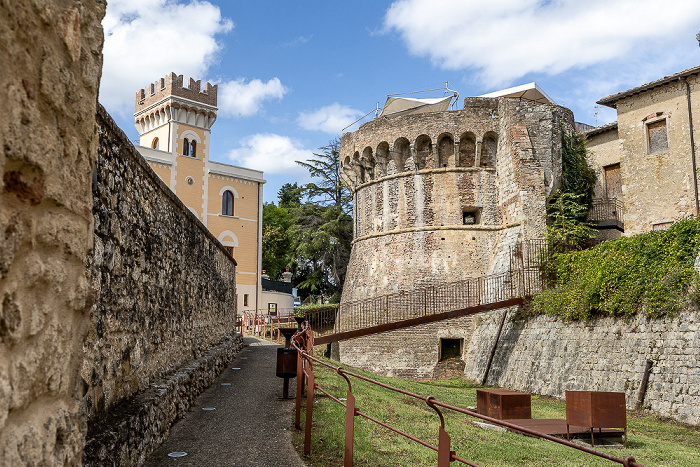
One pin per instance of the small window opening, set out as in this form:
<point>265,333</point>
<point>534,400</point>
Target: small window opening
<point>471,216</point>
<point>658,136</point>
<point>186,148</point>
<point>245,299</point>
<point>193,149</point>
<point>450,349</point>
<point>154,144</point>
<point>227,203</point>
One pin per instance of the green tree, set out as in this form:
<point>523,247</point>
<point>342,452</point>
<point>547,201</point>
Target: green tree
<point>278,240</point>
<point>325,166</point>
<point>324,225</point>
<point>290,195</point>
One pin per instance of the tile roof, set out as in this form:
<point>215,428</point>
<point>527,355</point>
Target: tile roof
<point>601,129</point>
<point>611,101</point>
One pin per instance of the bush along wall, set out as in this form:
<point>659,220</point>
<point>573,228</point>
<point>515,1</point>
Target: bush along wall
<point>651,273</point>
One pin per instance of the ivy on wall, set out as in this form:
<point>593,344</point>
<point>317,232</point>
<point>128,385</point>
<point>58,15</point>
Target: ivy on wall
<point>568,207</point>
<point>651,273</point>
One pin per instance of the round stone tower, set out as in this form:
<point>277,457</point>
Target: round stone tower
<point>440,197</point>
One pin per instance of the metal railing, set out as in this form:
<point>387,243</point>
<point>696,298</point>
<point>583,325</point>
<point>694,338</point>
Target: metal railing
<point>262,323</point>
<point>523,278</point>
<point>606,209</point>
<point>303,342</point>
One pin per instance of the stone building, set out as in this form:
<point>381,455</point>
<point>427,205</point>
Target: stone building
<point>646,159</point>
<point>174,122</point>
<point>439,197</point>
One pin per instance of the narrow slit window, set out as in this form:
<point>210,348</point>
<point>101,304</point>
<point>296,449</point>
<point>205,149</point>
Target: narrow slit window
<point>186,148</point>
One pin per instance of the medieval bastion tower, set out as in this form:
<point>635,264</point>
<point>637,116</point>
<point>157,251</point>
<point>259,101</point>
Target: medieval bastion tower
<point>440,197</point>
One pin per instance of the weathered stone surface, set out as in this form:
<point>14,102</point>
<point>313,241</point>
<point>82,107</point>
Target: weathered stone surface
<point>412,178</point>
<point>165,296</point>
<point>136,426</point>
<point>548,356</point>
<point>48,143</point>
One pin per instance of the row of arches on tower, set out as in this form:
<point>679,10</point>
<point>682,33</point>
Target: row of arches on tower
<point>190,115</point>
<point>384,160</point>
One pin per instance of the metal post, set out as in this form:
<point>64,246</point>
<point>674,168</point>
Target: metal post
<point>309,410</point>
<point>300,377</point>
<point>349,429</point>
<point>444,453</point>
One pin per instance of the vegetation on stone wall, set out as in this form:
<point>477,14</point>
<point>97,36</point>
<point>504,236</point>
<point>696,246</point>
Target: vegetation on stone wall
<point>651,273</point>
<point>568,207</point>
<point>310,229</point>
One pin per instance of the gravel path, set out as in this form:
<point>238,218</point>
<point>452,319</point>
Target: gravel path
<point>249,426</point>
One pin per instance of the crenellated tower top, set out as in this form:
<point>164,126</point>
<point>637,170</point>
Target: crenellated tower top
<point>172,85</point>
<point>170,116</point>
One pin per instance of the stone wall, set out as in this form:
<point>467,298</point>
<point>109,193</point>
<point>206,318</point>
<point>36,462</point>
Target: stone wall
<point>412,179</point>
<point>545,355</point>
<point>165,286</point>
<point>51,56</point>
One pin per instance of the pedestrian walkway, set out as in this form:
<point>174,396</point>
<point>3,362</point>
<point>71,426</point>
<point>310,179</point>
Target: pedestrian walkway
<point>249,425</point>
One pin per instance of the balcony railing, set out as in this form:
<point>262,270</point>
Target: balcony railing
<point>606,213</point>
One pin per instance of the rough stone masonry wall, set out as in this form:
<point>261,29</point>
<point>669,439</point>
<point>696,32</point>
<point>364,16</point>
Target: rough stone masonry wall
<point>165,297</point>
<point>545,355</point>
<point>51,56</point>
<point>408,226</point>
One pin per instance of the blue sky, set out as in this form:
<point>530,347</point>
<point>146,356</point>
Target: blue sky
<point>291,75</point>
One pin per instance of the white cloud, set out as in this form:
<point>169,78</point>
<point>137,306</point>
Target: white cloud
<point>271,153</point>
<point>329,119</point>
<point>240,99</point>
<point>507,39</point>
<point>298,41</point>
<point>147,39</point>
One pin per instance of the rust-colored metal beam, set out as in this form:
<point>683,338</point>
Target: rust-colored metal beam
<point>472,310</point>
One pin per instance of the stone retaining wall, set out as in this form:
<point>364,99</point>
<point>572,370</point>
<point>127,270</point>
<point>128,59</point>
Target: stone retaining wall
<point>165,296</point>
<point>144,421</point>
<point>545,355</point>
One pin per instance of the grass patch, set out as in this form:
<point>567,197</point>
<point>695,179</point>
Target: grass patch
<point>652,441</point>
<point>651,273</point>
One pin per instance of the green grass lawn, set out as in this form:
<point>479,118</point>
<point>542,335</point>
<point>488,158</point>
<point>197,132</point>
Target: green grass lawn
<point>651,441</point>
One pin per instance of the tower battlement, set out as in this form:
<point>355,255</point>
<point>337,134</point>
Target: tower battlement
<point>173,85</point>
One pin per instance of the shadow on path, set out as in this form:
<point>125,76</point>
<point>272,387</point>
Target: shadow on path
<point>249,426</point>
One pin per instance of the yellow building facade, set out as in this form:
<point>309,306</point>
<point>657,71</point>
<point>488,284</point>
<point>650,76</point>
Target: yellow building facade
<point>174,123</point>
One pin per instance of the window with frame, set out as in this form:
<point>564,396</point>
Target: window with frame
<point>155,143</point>
<point>186,147</point>
<point>193,149</point>
<point>657,136</point>
<point>245,299</point>
<point>227,203</point>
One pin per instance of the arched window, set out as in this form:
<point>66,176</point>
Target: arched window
<point>227,203</point>
<point>193,149</point>
<point>154,144</point>
<point>186,148</point>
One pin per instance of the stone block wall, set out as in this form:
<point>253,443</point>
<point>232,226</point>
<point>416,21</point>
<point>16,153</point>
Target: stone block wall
<point>51,56</point>
<point>545,355</point>
<point>165,286</point>
<point>409,199</point>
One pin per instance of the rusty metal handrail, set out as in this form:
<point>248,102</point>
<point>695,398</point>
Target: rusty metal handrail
<point>303,342</point>
<point>522,278</point>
